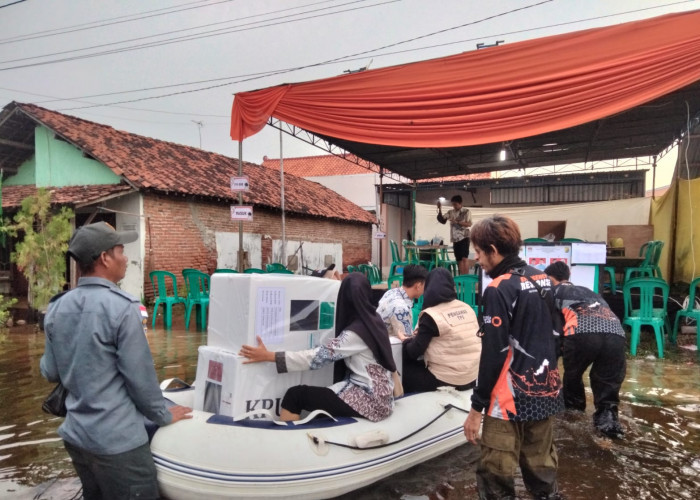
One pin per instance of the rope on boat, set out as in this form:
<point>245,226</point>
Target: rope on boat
<point>447,407</point>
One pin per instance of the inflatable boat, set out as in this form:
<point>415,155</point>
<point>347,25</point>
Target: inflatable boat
<point>213,456</point>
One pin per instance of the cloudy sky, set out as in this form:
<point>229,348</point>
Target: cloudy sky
<point>169,68</point>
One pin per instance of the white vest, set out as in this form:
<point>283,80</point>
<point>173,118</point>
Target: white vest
<point>453,357</point>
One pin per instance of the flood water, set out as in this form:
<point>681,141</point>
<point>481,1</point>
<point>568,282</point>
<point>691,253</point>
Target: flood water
<point>658,458</point>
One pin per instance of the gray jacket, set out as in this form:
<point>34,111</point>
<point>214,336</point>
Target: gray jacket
<point>95,344</point>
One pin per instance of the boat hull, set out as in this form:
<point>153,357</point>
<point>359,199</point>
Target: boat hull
<point>196,459</point>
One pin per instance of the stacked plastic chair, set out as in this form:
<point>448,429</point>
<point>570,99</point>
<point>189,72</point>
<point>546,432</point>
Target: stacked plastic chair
<point>159,281</point>
<point>646,313</point>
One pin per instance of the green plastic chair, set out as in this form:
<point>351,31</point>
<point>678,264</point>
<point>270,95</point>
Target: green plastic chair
<point>352,269</point>
<point>449,264</point>
<point>253,270</point>
<point>535,240</point>
<point>394,277</point>
<point>225,271</point>
<point>645,268</point>
<point>656,257</point>
<point>372,273</point>
<point>646,313</point>
<point>197,296</point>
<point>467,286</point>
<point>395,258</point>
<point>416,309</point>
<point>612,283</point>
<point>413,256</point>
<point>277,268</point>
<point>159,281</point>
<point>688,312</point>
<point>571,240</point>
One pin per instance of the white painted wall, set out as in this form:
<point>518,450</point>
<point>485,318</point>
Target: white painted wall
<point>358,188</point>
<point>227,249</point>
<point>588,221</point>
<point>129,216</point>
<point>314,253</point>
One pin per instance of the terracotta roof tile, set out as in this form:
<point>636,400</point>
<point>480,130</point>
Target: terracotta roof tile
<point>12,196</point>
<point>173,168</point>
<point>318,166</point>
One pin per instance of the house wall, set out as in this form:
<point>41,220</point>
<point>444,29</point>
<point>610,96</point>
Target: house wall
<point>182,233</point>
<point>129,211</point>
<point>57,163</point>
<point>358,188</point>
<point>25,176</point>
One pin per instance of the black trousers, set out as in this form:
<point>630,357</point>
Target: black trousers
<point>310,398</point>
<point>125,476</point>
<point>606,353</point>
<point>417,378</point>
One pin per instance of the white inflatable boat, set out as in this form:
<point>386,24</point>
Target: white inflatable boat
<point>213,456</point>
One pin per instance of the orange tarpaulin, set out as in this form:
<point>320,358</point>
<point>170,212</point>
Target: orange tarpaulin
<point>496,94</point>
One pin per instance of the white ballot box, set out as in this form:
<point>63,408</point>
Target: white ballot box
<point>228,387</point>
<point>289,312</point>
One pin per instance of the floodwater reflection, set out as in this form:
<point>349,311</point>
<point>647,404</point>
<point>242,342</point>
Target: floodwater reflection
<point>658,458</point>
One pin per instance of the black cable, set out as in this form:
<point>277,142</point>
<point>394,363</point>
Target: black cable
<point>184,38</point>
<point>13,3</point>
<point>376,447</point>
<point>86,26</point>
<point>338,59</point>
<point>348,58</point>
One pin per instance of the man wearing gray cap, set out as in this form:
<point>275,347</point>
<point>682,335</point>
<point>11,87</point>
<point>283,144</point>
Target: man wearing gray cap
<point>95,345</point>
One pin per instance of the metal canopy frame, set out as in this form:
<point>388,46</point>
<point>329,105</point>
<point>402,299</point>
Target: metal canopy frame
<point>633,136</point>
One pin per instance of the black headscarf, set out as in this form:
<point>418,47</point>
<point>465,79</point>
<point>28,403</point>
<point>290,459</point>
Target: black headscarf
<point>439,288</point>
<point>355,312</point>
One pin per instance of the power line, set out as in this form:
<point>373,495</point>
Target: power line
<point>338,59</point>
<point>343,59</point>
<point>117,20</point>
<point>13,3</point>
<point>184,38</point>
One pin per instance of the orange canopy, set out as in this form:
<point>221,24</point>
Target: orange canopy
<point>496,94</point>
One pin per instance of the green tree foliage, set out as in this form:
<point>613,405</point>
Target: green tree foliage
<point>41,253</point>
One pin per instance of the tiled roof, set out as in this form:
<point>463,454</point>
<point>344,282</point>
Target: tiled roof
<point>317,166</point>
<point>166,167</point>
<point>12,196</point>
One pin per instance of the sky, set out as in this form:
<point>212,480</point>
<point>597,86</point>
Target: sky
<point>159,59</point>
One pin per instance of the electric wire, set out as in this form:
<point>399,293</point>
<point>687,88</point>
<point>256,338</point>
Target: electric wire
<point>339,59</point>
<point>348,58</point>
<point>264,74</point>
<point>13,3</point>
<point>117,20</point>
<point>185,38</point>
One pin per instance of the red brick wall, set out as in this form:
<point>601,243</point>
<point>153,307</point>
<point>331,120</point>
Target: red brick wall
<point>180,233</point>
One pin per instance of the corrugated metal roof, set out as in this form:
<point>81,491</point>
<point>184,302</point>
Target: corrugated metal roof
<point>569,188</point>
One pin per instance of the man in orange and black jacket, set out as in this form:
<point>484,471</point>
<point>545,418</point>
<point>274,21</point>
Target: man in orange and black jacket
<point>518,386</point>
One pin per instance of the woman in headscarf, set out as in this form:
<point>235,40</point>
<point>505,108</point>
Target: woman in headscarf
<point>446,349</point>
<point>364,367</point>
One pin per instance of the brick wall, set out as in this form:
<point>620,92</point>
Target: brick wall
<point>180,233</point>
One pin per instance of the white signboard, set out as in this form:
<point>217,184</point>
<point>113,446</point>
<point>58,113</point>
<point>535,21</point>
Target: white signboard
<point>239,184</point>
<point>588,253</point>
<point>241,212</point>
<point>379,235</point>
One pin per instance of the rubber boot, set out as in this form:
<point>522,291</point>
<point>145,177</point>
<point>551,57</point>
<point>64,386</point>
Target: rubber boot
<point>606,421</point>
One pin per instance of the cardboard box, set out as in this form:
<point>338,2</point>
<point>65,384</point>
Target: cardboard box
<point>289,312</point>
<point>228,387</point>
